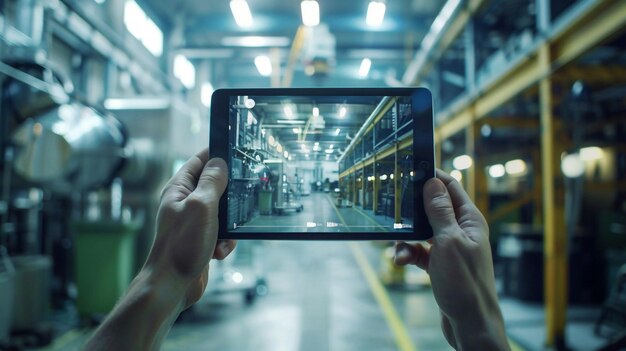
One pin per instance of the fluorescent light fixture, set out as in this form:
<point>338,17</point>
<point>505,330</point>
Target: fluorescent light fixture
<point>143,28</point>
<point>310,12</point>
<point>185,71</point>
<point>297,131</point>
<point>364,69</point>
<point>391,176</point>
<point>375,13</point>
<point>271,140</point>
<point>411,173</point>
<point>515,167</point>
<point>290,121</point>
<point>316,143</point>
<point>256,41</point>
<point>342,111</point>
<point>286,154</point>
<point>591,153</point>
<point>497,171</point>
<point>331,146</point>
<point>264,65</point>
<point>288,111</point>
<point>462,162</point>
<point>337,132</point>
<point>316,111</point>
<point>303,147</point>
<point>279,147</point>
<point>139,103</point>
<point>456,174</point>
<point>328,151</point>
<point>241,13</point>
<point>205,93</point>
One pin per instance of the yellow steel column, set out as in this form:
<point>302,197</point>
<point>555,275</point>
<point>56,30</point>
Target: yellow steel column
<point>555,276</point>
<point>537,191</point>
<point>397,211</point>
<point>363,181</point>
<point>375,187</point>
<point>470,147</point>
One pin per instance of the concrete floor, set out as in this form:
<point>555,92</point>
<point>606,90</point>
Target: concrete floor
<point>329,296</point>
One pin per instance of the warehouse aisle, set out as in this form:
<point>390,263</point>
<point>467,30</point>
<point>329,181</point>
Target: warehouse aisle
<point>318,300</point>
<point>319,211</point>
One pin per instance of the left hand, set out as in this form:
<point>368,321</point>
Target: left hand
<point>187,227</point>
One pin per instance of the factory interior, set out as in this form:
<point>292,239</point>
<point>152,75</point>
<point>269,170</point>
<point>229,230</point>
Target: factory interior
<point>103,101</point>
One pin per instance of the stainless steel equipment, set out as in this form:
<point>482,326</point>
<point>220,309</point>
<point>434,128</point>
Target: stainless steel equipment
<point>69,148</point>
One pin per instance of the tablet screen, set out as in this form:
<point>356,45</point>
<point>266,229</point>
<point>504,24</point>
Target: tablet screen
<point>313,164</point>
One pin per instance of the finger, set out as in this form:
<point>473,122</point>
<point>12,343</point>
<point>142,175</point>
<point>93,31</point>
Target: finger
<point>224,248</point>
<point>439,208</point>
<point>214,177</point>
<point>185,180</point>
<point>417,254</point>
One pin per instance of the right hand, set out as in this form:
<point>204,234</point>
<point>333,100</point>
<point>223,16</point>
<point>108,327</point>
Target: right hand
<point>459,264</point>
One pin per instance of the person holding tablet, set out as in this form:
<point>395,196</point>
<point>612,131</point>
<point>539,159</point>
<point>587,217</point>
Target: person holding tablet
<point>458,260</point>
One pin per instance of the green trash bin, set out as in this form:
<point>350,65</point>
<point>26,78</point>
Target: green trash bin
<point>265,202</point>
<point>104,264</point>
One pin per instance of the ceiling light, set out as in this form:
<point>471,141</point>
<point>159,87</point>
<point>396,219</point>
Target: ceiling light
<point>342,111</point>
<point>264,65</point>
<point>316,111</point>
<point>310,12</point>
<point>591,153</point>
<point>241,13</point>
<point>328,151</point>
<point>572,166</point>
<point>185,71</point>
<point>256,41</point>
<point>383,177</point>
<point>271,140</point>
<point>497,171</point>
<point>286,154</point>
<point>331,146</point>
<point>249,103</point>
<point>375,13</point>
<point>337,132</point>
<point>297,131</point>
<point>288,111</point>
<point>303,147</point>
<point>364,70</point>
<point>290,121</point>
<point>316,143</point>
<point>515,167</point>
<point>462,162</point>
<point>279,147</point>
<point>205,93</point>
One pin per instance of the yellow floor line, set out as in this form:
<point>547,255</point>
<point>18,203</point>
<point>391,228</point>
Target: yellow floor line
<point>401,335</point>
<point>515,346</point>
<point>369,218</point>
<point>403,340</point>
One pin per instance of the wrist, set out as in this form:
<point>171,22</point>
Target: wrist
<point>160,292</point>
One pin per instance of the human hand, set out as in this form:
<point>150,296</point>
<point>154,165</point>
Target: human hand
<point>187,227</point>
<point>458,261</point>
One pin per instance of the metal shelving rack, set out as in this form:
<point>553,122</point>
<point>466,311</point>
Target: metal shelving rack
<point>584,26</point>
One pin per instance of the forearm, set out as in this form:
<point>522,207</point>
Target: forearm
<point>485,333</point>
<point>143,316</point>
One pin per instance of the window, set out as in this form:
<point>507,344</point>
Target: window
<point>143,28</point>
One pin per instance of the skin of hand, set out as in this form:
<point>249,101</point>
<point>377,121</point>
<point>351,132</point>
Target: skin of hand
<point>176,272</point>
<point>458,261</point>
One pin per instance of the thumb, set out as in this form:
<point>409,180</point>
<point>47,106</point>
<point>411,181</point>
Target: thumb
<point>439,208</point>
<point>213,179</point>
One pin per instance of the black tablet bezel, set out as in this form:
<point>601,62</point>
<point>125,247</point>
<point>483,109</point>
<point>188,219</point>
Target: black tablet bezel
<point>422,147</point>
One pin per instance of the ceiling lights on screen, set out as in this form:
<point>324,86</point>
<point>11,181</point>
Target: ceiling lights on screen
<point>241,13</point>
<point>310,13</point>
<point>375,13</point>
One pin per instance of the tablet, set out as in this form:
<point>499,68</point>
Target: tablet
<point>324,163</point>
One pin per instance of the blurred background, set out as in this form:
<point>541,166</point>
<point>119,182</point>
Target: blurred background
<point>103,100</point>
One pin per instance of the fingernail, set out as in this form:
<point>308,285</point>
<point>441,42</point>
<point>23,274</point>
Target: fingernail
<point>224,246</point>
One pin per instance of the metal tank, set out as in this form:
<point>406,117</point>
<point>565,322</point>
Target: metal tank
<point>69,148</point>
